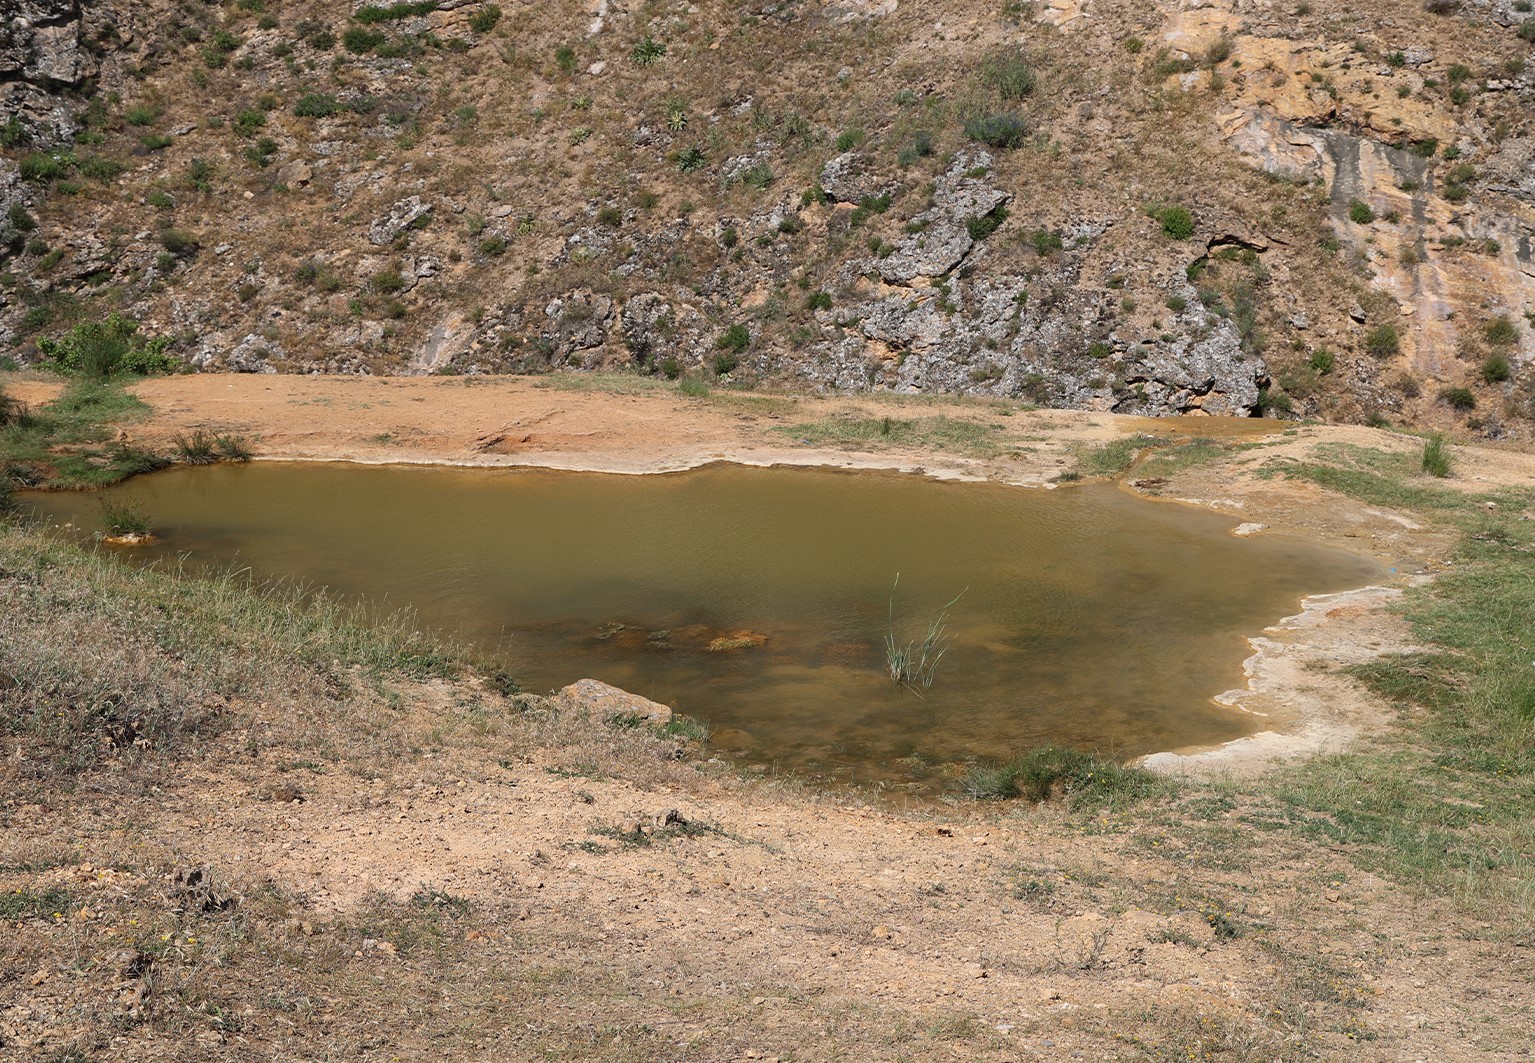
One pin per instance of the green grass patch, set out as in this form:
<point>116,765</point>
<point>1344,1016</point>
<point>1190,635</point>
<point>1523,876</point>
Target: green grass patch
<point>1447,802</point>
<point>1059,773</point>
<point>1113,457</point>
<point>67,443</point>
<point>960,436</point>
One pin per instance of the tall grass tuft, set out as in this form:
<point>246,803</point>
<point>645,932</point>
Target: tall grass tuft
<point>1436,457</point>
<point>915,664</point>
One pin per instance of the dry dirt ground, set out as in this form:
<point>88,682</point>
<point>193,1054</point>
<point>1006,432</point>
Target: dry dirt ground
<point>464,882</point>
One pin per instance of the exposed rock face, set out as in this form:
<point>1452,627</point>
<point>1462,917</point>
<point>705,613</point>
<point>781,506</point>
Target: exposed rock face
<point>400,217</point>
<point>944,240</point>
<point>41,51</point>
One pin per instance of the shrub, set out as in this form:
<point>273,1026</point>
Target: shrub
<point>260,153</point>
<point>359,40</point>
<point>1006,130</point>
<point>670,368</point>
<point>759,176</point>
<point>1045,241</point>
<point>1458,398</point>
<point>1527,30</point>
<point>565,59</point>
<point>983,226</point>
<point>725,362</point>
<point>123,519</point>
<point>485,19</point>
<point>1495,369</point>
<point>1322,360</point>
<point>42,168</point>
<point>232,448</point>
<point>373,13</point>
<point>1176,222</point>
<point>197,449</point>
<point>1176,303</point>
<point>141,114</point>
<point>1383,341</point>
<point>647,51</point>
<point>178,242</point>
<point>818,301</point>
<point>388,281</point>
<point>1436,457</point>
<point>850,139</point>
<point>101,348</point>
<point>1501,331</point>
<point>100,168</point>
<point>735,339</point>
<point>316,105</point>
<point>1009,73</point>
<point>691,159</point>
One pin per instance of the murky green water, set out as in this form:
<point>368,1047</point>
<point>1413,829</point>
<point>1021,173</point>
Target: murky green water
<point>1088,616</point>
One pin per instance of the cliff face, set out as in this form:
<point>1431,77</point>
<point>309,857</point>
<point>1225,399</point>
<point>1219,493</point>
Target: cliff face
<point>1168,208</point>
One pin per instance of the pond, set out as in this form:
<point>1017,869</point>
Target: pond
<point>760,600</point>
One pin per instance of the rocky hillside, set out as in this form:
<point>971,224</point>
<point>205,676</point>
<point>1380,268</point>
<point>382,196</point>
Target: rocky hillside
<point>1235,206</point>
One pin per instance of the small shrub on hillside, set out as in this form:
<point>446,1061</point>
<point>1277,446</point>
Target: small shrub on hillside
<point>1360,212</point>
<point>850,139</point>
<point>359,40</point>
<point>1501,331</point>
<point>1383,341</point>
<point>42,168</point>
<point>141,114</point>
<point>725,362</point>
<point>1006,130</point>
<point>565,59</point>
<point>485,19</point>
<point>373,13</point>
<point>316,105</point>
<point>1045,241</point>
<point>1496,369</point>
<point>103,169</point>
<point>1436,457</point>
<point>735,339</point>
<point>1458,398</point>
<point>493,246</point>
<point>818,301</point>
<point>1176,222</point>
<point>691,159</point>
<point>1527,30</point>
<point>647,51</point>
<point>1009,73</point>
<point>981,227</point>
<point>1321,361</point>
<point>179,242</point>
<point>758,177</point>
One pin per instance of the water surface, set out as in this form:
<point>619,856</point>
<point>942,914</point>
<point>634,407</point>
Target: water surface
<point>758,599</point>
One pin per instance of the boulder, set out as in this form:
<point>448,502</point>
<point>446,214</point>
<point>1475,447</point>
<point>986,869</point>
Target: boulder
<point>604,702</point>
